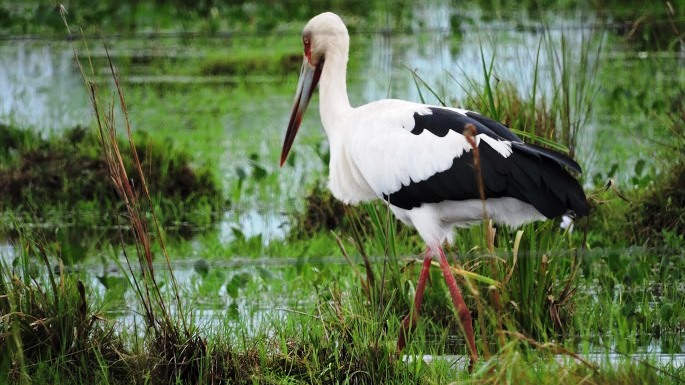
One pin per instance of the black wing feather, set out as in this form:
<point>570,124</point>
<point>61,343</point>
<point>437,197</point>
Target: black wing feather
<point>496,127</point>
<point>544,152</point>
<point>531,174</point>
<point>441,121</point>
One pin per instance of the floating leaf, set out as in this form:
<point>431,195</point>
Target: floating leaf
<point>640,167</point>
<point>239,281</point>
<point>201,266</point>
<point>265,274</point>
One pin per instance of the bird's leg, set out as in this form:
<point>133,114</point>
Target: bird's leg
<point>460,305</point>
<point>409,322</point>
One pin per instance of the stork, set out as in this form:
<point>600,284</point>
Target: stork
<point>420,160</point>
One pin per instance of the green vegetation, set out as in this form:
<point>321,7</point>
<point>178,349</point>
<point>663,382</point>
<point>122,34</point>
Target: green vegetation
<point>204,16</point>
<point>660,213</point>
<point>323,304</point>
<point>645,23</point>
<point>63,180</point>
<point>56,328</point>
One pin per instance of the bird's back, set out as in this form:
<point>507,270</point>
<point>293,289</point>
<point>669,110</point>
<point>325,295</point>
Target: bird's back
<point>412,154</point>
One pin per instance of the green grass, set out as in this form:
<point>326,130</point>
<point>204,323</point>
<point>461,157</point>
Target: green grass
<point>203,17</point>
<point>61,180</point>
<point>330,312</point>
<point>220,16</point>
<point>337,336</point>
<point>49,322</point>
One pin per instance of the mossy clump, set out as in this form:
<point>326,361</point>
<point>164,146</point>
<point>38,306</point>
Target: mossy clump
<point>277,64</point>
<point>322,212</point>
<point>66,171</point>
<point>661,209</point>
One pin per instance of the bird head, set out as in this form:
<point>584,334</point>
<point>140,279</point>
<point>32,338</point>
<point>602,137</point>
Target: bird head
<point>322,34</point>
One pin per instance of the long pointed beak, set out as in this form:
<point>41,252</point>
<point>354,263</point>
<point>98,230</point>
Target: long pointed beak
<point>309,78</point>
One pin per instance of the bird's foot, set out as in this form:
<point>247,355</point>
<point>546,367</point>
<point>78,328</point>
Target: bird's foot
<point>472,363</point>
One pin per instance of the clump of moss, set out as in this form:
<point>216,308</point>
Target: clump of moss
<point>661,210</point>
<point>322,212</point>
<point>38,175</point>
<point>663,207</point>
<point>274,63</point>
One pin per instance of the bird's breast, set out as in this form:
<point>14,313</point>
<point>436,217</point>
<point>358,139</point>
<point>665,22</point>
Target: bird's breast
<point>345,180</point>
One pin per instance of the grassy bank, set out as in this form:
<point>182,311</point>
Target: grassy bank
<point>644,23</point>
<point>62,181</point>
<point>58,327</point>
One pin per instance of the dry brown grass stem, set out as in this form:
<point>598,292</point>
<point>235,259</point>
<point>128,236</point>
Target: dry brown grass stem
<point>105,116</point>
<point>515,251</point>
<point>470,134</point>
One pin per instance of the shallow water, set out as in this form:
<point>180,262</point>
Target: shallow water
<point>39,87</point>
<point>601,359</point>
<point>264,296</point>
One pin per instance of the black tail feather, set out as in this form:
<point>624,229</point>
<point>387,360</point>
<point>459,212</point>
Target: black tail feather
<point>560,158</point>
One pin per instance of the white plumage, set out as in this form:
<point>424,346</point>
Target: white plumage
<point>374,153</point>
<point>417,158</point>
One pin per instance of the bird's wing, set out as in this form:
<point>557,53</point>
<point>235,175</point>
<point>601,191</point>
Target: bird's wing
<point>412,154</point>
<point>496,128</point>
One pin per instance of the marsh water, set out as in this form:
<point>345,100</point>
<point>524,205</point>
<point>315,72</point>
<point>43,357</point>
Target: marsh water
<point>234,121</point>
<point>220,305</point>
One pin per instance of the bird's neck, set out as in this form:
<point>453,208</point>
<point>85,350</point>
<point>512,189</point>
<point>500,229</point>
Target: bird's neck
<point>333,101</point>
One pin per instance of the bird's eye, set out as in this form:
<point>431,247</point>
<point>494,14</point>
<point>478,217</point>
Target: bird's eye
<point>307,45</point>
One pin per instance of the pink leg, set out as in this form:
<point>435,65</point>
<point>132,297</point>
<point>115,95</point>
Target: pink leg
<point>409,322</point>
<point>460,305</point>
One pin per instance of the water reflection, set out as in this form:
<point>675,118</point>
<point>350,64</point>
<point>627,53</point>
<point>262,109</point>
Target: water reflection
<point>7,253</point>
<point>39,86</point>
<point>653,359</point>
<point>269,224</point>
